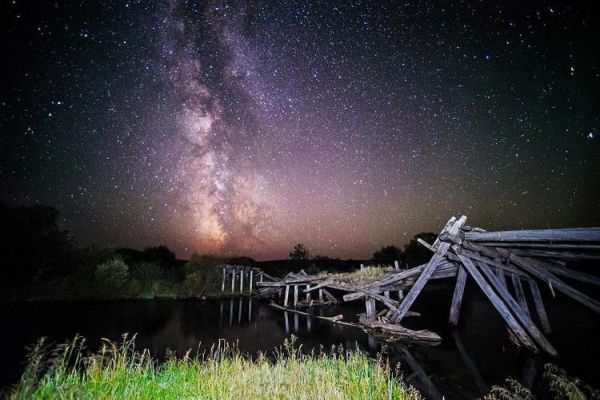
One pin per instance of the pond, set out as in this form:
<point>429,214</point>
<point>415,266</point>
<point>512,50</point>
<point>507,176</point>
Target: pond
<point>474,356</point>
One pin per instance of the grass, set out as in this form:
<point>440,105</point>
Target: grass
<point>362,276</point>
<point>118,371</point>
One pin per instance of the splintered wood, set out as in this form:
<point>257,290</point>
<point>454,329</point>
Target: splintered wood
<point>504,265</point>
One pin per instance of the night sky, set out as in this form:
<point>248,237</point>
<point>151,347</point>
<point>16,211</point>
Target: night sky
<point>247,127</point>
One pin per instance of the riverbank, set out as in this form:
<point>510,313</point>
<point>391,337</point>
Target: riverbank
<point>119,371</point>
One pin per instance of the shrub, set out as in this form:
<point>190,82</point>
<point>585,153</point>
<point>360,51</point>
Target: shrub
<point>111,277</point>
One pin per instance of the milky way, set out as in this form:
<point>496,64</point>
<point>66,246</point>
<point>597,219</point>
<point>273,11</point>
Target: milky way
<point>246,128</point>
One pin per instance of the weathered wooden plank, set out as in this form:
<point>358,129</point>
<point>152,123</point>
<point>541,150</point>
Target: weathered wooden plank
<point>537,269</point>
<point>520,294</point>
<point>563,254</point>
<point>539,307</point>
<point>570,273</point>
<point>438,257</point>
<point>498,304</point>
<point>518,311</point>
<point>459,290</point>
<point>400,332</point>
<point>548,246</point>
<point>543,235</point>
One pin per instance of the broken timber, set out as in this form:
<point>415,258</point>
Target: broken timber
<point>503,265</point>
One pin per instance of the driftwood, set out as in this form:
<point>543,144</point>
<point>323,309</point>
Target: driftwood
<point>397,332</point>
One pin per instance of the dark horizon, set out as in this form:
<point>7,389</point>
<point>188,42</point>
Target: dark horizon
<point>228,129</point>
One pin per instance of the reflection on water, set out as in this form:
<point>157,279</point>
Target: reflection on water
<point>471,358</point>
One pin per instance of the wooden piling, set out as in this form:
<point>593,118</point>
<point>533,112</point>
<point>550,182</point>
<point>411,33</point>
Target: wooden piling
<point>251,277</point>
<point>242,282</point>
<point>286,296</point>
<point>223,283</point>
<point>295,295</point>
<point>232,281</point>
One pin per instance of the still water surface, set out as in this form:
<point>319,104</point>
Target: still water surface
<point>474,356</point>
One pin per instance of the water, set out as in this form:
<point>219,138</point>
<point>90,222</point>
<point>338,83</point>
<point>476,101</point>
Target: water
<point>476,355</point>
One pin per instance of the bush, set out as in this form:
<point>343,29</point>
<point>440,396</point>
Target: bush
<point>202,276</point>
<point>111,278</point>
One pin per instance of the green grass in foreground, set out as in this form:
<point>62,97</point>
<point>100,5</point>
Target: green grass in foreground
<point>118,371</point>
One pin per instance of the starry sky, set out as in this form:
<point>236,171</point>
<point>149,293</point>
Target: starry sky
<point>246,127</point>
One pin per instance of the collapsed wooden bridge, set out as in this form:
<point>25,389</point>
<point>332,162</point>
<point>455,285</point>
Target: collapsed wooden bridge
<point>492,259</point>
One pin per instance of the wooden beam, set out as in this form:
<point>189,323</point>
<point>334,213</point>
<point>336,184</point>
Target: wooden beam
<point>543,235</point>
<point>539,307</point>
<point>518,311</point>
<point>572,274</point>
<point>232,281</point>
<point>537,269</point>
<point>436,259</point>
<point>498,304</point>
<point>520,294</point>
<point>459,290</point>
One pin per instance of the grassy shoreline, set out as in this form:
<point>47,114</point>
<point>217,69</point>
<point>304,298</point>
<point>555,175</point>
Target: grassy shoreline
<point>120,371</point>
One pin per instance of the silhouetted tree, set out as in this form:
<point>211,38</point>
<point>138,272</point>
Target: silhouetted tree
<point>387,255</point>
<point>32,245</point>
<point>241,260</point>
<point>300,252</point>
<point>415,253</point>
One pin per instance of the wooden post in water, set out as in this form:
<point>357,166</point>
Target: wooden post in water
<point>250,288</point>
<point>232,281</point>
<point>295,295</point>
<point>320,295</point>
<point>260,278</point>
<point>286,296</point>
<point>370,308</point>
<point>223,283</point>
<point>242,282</point>
<point>459,290</point>
<point>307,294</point>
